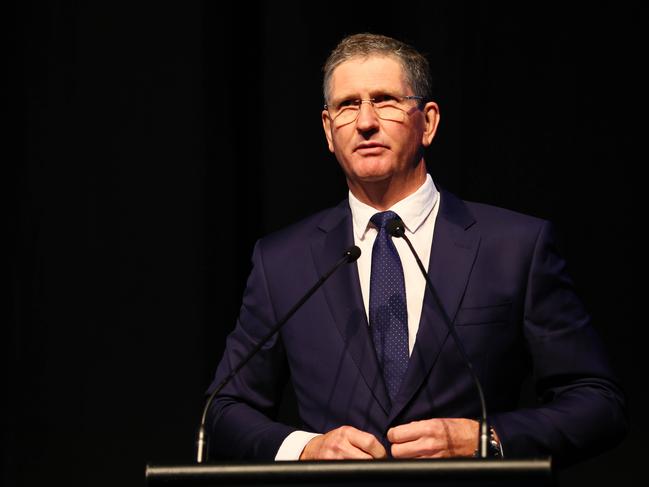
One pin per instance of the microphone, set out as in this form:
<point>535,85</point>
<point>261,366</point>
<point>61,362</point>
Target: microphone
<point>395,227</point>
<point>351,255</point>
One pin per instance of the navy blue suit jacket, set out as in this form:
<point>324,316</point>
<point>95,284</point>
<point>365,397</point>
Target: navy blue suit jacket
<point>504,285</point>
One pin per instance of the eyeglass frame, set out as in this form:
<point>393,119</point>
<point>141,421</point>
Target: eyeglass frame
<point>359,102</point>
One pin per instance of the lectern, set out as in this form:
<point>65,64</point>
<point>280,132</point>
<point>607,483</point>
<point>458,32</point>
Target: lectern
<point>393,473</point>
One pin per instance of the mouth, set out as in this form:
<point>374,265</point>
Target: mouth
<point>370,148</point>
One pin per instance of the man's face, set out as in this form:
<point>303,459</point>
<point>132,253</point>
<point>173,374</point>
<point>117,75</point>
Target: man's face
<point>372,149</point>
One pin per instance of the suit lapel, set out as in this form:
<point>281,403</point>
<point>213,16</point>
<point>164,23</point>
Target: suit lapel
<point>344,297</point>
<point>455,247</point>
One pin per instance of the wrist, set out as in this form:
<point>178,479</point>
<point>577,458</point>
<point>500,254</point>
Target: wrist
<point>307,453</point>
<point>494,448</point>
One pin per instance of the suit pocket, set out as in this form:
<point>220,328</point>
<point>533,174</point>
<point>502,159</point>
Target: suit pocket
<point>483,315</point>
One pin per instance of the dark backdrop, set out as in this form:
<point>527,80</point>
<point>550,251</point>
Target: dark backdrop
<point>150,144</point>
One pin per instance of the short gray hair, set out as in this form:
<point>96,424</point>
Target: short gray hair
<point>414,64</point>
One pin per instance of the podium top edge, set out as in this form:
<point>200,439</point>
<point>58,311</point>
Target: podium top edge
<point>353,467</point>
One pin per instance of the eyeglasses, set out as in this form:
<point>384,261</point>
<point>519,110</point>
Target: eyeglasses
<point>387,107</point>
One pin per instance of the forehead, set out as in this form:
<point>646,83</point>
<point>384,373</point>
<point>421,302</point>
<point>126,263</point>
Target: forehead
<point>362,76</point>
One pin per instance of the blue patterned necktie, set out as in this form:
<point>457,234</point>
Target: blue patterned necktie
<point>388,310</point>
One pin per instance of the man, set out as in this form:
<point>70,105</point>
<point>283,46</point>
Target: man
<point>374,368</point>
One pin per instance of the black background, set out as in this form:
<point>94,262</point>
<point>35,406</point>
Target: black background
<point>150,144</point>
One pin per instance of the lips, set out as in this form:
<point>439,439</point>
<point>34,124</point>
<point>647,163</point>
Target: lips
<point>369,147</point>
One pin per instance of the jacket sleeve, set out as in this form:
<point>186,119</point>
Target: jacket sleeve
<point>239,423</point>
<point>581,409</point>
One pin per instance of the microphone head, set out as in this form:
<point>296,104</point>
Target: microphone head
<point>395,227</point>
<point>352,254</point>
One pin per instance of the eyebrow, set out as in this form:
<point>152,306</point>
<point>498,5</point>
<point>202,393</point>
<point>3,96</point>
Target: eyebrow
<point>372,94</point>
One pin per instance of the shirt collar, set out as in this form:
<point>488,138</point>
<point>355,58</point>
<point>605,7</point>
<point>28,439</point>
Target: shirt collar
<point>413,209</point>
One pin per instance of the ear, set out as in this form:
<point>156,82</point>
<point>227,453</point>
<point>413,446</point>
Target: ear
<point>326,125</point>
<point>431,121</point>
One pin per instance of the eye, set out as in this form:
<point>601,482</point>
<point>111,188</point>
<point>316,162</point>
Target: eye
<point>348,103</point>
<point>385,98</point>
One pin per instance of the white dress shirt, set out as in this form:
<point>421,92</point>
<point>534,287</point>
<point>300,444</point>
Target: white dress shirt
<point>418,212</point>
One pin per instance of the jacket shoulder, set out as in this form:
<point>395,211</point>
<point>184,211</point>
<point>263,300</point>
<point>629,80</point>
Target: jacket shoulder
<point>494,223</point>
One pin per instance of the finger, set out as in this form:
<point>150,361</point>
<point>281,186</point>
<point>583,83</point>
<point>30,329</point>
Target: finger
<point>353,453</point>
<point>409,432</point>
<point>422,447</point>
<point>348,443</point>
<point>367,442</point>
<point>342,453</point>
<point>343,449</point>
<point>439,454</point>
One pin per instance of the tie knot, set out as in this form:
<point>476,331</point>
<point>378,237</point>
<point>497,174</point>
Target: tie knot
<point>381,219</point>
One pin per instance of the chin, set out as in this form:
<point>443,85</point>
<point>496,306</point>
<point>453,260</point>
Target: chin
<point>372,171</point>
<point>373,178</point>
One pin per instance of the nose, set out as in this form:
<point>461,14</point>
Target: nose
<point>367,119</point>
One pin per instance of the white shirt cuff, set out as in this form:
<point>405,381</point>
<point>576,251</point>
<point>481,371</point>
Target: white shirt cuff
<point>293,445</point>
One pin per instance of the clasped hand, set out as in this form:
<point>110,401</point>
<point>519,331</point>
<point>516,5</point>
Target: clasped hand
<point>429,438</point>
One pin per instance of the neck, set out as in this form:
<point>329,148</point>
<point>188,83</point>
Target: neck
<point>385,193</point>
